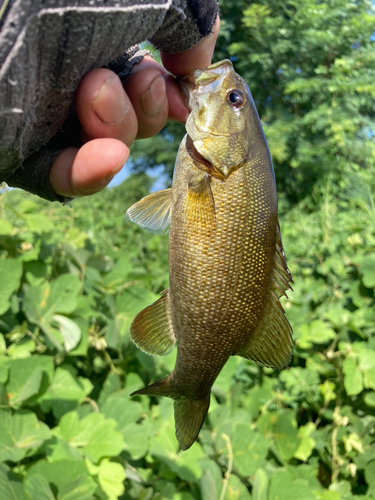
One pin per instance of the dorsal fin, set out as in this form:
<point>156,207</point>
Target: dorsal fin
<point>271,343</point>
<point>281,276</point>
<point>152,212</point>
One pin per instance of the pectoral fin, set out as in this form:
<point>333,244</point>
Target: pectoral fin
<point>200,203</point>
<point>152,212</point>
<point>152,331</point>
<point>271,343</point>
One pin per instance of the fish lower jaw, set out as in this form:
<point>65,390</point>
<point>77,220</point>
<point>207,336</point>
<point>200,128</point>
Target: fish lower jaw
<point>201,162</point>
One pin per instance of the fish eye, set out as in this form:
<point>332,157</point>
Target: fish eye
<point>236,98</point>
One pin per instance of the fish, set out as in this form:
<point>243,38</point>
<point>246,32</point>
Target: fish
<point>226,260</point>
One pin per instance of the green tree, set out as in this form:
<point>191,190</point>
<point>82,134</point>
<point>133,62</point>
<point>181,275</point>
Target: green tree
<point>310,66</point>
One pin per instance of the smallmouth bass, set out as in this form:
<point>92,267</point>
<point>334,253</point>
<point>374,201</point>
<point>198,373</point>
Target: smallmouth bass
<point>227,264</point>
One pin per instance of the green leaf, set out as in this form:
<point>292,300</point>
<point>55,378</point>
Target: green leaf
<point>36,272</point>
<point>225,378</point>
<point>369,378</point>
<point>211,481</point>
<point>118,275</point>
<point>70,331</point>
<point>370,477</point>
<point>122,409</point>
<point>96,435</point>
<point>83,344</point>
<point>256,397</point>
<point>21,388</point>
<point>367,269</point>
<point>353,377</point>
<point>184,464</point>
<point>250,448</point>
<point>21,349</point>
<point>3,369</point>
<point>332,495</point>
<point>101,439</point>
<point>10,272</point>
<point>19,434</point>
<point>10,487</point>
<point>57,449</point>
<point>66,391</point>
<point>37,487</point>
<point>260,485</point>
<point>236,490</point>
<point>317,332</point>
<point>38,223</point>
<point>111,477</point>
<point>42,302</point>
<point>328,391</point>
<point>163,443</point>
<point>137,438</point>
<point>2,344</point>
<point>6,227</point>
<point>59,473</point>
<point>28,377</point>
<point>299,380</point>
<point>286,434</point>
<point>342,487</point>
<point>307,443</point>
<point>370,399</point>
<point>282,487</point>
<point>112,384</point>
<point>81,488</point>
<point>131,301</point>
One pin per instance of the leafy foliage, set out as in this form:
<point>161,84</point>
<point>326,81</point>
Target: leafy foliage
<point>74,279</point>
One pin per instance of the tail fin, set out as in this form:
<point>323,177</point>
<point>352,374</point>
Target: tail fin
<point>189,414</point>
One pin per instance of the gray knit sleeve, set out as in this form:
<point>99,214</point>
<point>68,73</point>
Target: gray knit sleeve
<point>185,24</point>
<point>47,46</point>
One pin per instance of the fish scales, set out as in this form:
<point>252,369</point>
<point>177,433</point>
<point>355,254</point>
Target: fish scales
<point>232,282</point>
<point>227,265</point>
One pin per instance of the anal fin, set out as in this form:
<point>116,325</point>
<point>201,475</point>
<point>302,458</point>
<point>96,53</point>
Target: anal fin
<point>152,331</point>
<point>270,344</point>
<point>152,212</point>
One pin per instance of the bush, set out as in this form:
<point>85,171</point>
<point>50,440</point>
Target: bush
<point>72,279</point>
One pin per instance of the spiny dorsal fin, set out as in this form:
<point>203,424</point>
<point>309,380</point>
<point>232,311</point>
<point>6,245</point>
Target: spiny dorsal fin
<point>152,331</point>
<point>271,343</point>
<point>152,212</point>
<point>200,203</point>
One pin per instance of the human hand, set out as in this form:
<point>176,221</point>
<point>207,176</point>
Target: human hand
<point>113,115</point>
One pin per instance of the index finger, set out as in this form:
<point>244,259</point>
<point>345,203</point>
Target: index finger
<point>199,56</point>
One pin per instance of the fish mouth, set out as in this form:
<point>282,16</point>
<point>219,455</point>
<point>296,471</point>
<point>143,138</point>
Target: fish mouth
<point>203,164</point>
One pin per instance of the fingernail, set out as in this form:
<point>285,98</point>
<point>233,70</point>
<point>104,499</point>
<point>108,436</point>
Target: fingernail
<point>110,104</point>
<point>94,188</point>
<point>100,183</point>
<point>154,100</point>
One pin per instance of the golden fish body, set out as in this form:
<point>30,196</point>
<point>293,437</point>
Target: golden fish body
<point>227,266</point>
